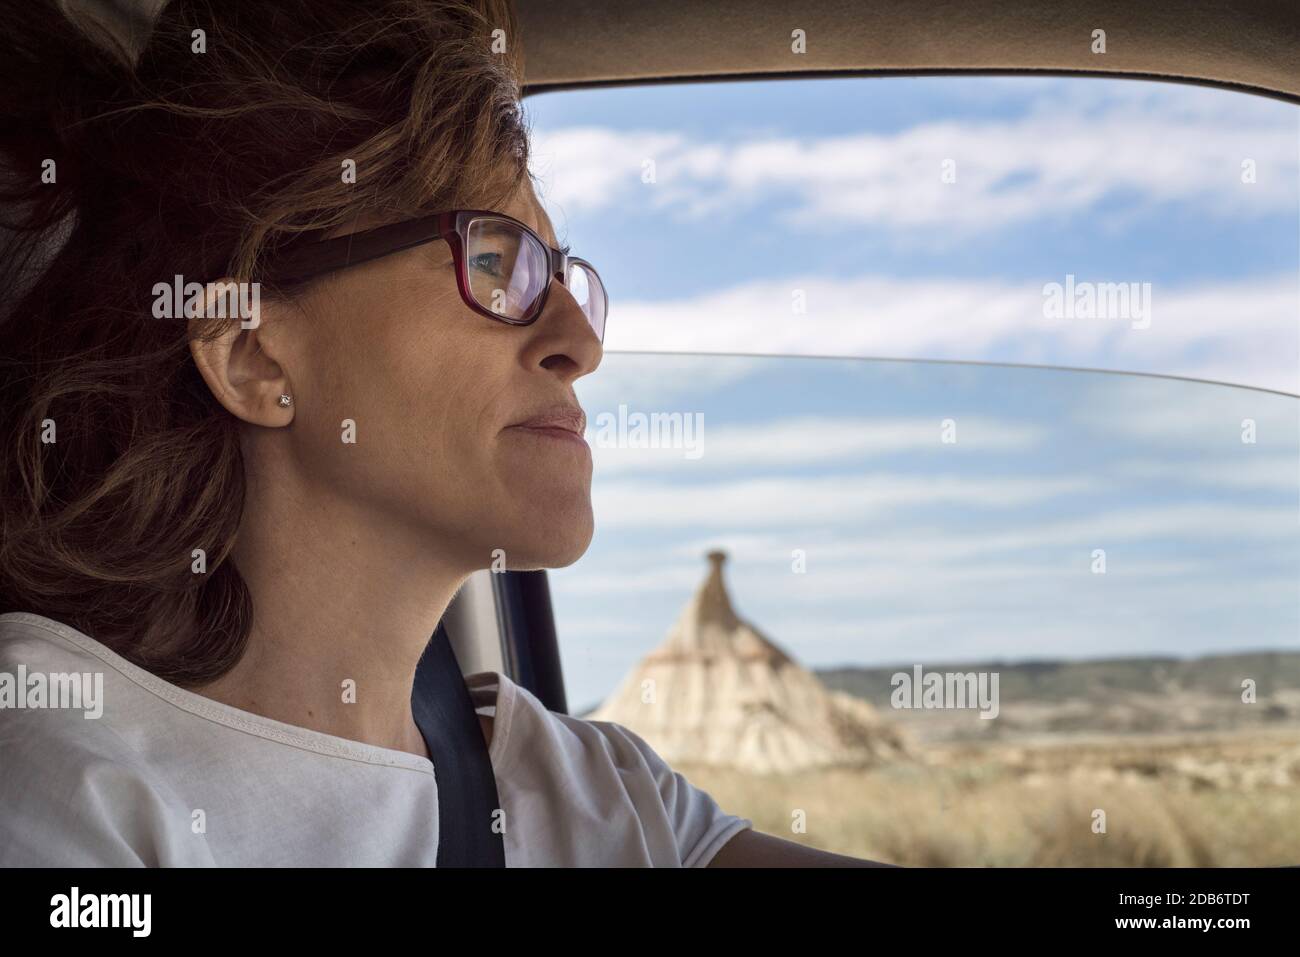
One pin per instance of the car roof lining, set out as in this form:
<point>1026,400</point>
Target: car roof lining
<point>1249,45</point>
<point>885,74</point>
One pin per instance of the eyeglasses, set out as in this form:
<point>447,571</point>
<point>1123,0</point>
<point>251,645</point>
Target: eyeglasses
<point>503,268</point>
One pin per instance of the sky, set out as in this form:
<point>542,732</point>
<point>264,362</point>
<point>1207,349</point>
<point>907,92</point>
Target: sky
<point>773,249</point>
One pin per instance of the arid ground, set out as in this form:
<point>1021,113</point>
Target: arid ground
<point>1170,799</point>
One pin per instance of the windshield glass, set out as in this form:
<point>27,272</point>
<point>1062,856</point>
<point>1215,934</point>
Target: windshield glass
<point>1112,558</point>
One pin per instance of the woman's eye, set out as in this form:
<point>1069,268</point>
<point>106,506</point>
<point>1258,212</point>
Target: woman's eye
<point>486,262</point>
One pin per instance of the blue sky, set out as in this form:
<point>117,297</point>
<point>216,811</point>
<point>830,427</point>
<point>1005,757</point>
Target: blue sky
<point>812,218</point>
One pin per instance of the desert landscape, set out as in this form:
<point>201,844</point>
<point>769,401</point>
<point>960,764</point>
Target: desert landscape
<point>1171,800</point>
<point>1142,762</point>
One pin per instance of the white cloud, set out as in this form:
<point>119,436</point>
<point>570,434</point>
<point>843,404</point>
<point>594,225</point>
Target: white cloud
<point>582,169</point>
<point>834,499</point>
<point>1155,412</point>
<point>1171,145</point>
<point>812,440</point>
<point>910,544</point>
<point>913,585</point>
<point>640,381</point>
<point>1247,470</point>
<point>1244,332</point>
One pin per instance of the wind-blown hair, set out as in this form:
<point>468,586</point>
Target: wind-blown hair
<point>195,158</point>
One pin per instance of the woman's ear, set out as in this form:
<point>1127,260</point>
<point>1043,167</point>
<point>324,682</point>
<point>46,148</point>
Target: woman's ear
<point>242,365</point>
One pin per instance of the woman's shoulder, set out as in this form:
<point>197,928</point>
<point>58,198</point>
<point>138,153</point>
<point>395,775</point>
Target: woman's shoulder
<point>523,723</point>
<point>49,685</point>
<point>53,696</point>
<point>75,791</point>
<point>570,768</point>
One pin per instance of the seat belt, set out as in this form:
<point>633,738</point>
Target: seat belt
<point>467,787</point>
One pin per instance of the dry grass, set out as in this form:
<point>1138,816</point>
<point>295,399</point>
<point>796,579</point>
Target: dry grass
<point>1172,801</point>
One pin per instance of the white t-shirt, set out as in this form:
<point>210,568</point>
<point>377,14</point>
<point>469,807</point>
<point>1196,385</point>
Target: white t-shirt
<point>167,777</point>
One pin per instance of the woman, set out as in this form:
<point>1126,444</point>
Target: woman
<point>251,526</point>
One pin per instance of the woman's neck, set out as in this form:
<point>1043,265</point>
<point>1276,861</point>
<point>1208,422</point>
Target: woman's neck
<point>344,605</point>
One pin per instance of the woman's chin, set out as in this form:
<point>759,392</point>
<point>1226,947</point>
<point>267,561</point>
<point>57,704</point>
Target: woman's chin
<point>563,545</point>
<point>576,549</point>
<point>547,537</point>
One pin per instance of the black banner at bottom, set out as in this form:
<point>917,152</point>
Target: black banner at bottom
<point>334,906</point>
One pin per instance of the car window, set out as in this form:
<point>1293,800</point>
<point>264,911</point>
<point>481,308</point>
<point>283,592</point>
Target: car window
<point>986,389</point>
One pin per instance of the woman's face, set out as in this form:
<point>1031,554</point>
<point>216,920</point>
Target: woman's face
<point>437,393</point>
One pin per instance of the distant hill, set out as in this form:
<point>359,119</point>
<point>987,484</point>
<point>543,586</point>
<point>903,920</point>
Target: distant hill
<point>1105,695</point>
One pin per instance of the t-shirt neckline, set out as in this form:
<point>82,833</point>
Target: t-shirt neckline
<point>252,723</point>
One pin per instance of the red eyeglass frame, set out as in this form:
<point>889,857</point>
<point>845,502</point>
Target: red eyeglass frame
<point>301,263</point>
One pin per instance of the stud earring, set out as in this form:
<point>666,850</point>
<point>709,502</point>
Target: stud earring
<point>285,400</point>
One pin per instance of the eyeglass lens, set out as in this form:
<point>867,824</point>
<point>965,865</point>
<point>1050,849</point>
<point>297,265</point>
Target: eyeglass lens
<point>509,270</point>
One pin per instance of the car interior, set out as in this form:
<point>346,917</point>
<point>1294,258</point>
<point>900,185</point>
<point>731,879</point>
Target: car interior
<point>510,621</point>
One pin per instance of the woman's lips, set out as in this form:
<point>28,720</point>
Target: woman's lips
<point>552,432</point>
<point>564,423</point>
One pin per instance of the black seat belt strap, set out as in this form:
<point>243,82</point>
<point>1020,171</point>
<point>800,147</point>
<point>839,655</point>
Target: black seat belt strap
<point>467,786</point>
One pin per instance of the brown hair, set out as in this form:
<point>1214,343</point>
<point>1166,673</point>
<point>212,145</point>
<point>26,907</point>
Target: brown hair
<point>196,163</point>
